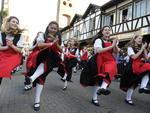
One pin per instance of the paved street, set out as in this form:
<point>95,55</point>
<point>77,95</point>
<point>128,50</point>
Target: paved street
<point>75,99</point>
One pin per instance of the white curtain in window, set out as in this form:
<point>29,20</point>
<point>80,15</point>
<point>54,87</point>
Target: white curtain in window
<point>75,30</point>
<point>91,25</point>
<point>148,6</point>
<point>107,20</point>
<point>143,8</point>
<point>137,9</point>
<point>96,21</point>
<point>87,26</point>
<point>129,14</point>
<point>120,16</point>
<point>103,17</point>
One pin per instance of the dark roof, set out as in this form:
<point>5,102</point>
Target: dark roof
<point>91,7</point>
<point>111,3</point>
<point>65,28</point>
<point>76,17</point>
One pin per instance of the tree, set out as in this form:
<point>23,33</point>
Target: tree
<point>3,14</point>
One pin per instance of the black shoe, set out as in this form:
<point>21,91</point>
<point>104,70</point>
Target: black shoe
<point>28,81</point>
<point>64,88</point>
<point>144,90</point>
<point>95,102</point>
<point>27,87</point>
<point>103,91</point>
<point>130,102</point>
<point>70,81</point>
<point>62,79</point>
<point>36,108</point>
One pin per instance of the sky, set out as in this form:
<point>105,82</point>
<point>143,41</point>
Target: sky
<point>36,14</point>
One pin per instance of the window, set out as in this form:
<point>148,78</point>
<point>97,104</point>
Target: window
<point>92,24</point>
<point>64,2</point>
<point>140,8</point>
<point>111,19</point>
<point>76,31</point>
<point>107,20</point>
<point>70,5</point>
<point>148,7</point>
<point>129,13</point>
<point>124,15</point>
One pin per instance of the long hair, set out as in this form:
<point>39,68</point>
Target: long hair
<point>76,42</point>
<point>6,27</point>
<point>47,32</point>
<point>100,34</point>
<point>133,44</point>
<point>58,33</point>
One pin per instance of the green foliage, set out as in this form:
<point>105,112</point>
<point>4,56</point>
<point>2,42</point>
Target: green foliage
<point>4,13</point>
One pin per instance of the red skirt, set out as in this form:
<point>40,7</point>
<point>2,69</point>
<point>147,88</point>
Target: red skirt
<point>107,66</point>
<point>31,60</point>
<point>140,67</point>
<point>9,60</point>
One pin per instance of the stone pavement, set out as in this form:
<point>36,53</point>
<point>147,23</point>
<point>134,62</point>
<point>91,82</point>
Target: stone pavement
<point>75,99</point>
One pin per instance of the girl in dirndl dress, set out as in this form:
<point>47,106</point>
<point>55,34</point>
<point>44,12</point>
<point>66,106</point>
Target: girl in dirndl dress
<point>102,67</point>
<point>33,52</point>
<point>84,55</point>
<point>46,59</point>
<point>11,44</point>
<point>70,55</point>
<point>137,70</point>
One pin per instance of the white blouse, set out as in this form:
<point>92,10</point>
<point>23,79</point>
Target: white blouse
<point>130,51</point>
<point>40,38</point>
<point>20,43</point>
<point>97,44</point>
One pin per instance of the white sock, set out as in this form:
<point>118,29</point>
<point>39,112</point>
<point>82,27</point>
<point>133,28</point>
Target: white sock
<point>38,92</point>
<point>0,89</point>
<point>96,88</point>
<point>144,81</point>
<point>65,76</point>
<point>39,71</point>
<point>129,94</point>
<point>74,69</point>
<point>65,84</point>
<point>104,85</point>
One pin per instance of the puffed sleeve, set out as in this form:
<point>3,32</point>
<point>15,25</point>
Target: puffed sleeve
<point>97,44</point>
<point>1,43</point>
<point>21,42</point>
<point>130,51</point>
<point>40,38</point>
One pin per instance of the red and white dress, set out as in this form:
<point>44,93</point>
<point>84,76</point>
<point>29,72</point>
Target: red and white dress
<point>9,59</point>
<point>50,56</point>
<point>138,65</point>
<point>134,71</point>
<point>106,63</point>
<point>84,57</point>
<point>70,61</point>
<point>31,60</point>
<point>101,66</point>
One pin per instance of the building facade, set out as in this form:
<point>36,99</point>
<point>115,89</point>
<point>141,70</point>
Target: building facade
<point>65,12</point>
<point>125,17</point>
